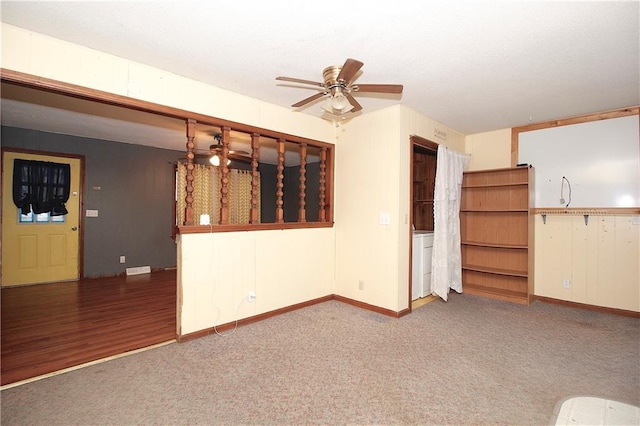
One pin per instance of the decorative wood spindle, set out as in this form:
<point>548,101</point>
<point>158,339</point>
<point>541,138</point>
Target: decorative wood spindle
<point>302,212</point>
<point>188,210</point>
<point>323,179</point>
<point>255,176</point>
<point>280,184</point>
<point>224,179</point>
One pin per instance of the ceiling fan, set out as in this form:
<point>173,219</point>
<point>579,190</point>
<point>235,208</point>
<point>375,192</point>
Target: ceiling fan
<point>214,153</point>
<point>338,84</point>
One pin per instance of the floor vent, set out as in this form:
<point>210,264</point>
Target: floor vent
<point>139,270</point>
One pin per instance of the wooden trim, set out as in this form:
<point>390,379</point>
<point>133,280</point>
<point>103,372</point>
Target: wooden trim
<point>331,161</point>
<point>515,131</point>
<point>280,183</point>
<point>80,92</point>
<point>514,147</point>
<point>81,218</point>
<point>601,309</point>
<point>245,321</point>
<point>597,211</point>
<point>205,229</point>
<point>224,177</point>
<point>369,307</point>
<point>423,143</point>
<point>302,184</point>
<point>255,176</point>
<point>54,86</point>
<point>188,210</point>
<point>322,182</point>
<point>501,169</point>
<point>623,112</point>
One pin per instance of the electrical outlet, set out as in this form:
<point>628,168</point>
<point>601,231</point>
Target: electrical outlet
<point>566,283</point>
<point>361,284</point>
<point>251,297</point>
<point>122,259</point>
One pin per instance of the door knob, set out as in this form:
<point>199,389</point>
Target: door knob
<point>74,228</point>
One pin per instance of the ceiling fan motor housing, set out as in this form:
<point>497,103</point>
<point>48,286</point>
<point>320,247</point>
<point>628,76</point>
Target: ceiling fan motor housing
<point>330,76</point>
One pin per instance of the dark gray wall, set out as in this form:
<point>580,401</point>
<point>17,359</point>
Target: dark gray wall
<point>290,199</point>
<point>135,202</point>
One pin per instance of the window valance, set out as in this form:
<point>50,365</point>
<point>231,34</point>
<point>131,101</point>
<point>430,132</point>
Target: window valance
<point>41,186</point>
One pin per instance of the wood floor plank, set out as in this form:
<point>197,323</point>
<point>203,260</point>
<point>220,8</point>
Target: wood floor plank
<point>50,327</point>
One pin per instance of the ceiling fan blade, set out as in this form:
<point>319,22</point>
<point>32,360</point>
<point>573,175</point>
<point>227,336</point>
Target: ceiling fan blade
<point>297,80</point>
<point>349,70</point>
<point>237,157</point>
<point>308,100</point>
<point>356,106</point>
<point>377,88</point>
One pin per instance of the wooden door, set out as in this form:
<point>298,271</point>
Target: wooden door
<point>39,248</point>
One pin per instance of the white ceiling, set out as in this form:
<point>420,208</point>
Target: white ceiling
<point>472,65</point>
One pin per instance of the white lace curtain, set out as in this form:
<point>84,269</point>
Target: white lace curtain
<point>206,194</point>
<point>446,261</point>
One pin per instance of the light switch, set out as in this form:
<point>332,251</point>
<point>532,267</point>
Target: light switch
<point>385,219</point>
<point>92,213</point>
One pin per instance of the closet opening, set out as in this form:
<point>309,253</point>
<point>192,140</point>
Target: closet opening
<point>424,154</point>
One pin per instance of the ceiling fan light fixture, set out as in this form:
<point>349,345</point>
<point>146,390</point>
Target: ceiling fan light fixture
<point>215,160</point>
<point>337,104</point>
<point>339,101</point>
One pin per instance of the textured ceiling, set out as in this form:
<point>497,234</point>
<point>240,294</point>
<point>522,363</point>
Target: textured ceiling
<point>472,65</point>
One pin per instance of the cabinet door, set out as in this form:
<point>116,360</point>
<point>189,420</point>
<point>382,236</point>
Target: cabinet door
<point>416,267</point>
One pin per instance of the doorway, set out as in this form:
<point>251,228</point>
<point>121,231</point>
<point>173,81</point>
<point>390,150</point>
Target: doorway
<point>424,155</point>
<point>40,247</point>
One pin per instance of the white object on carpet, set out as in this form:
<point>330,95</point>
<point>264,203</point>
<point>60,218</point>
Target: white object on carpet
<point>585,410</point>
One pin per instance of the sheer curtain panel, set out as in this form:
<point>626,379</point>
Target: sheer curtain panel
<point>446,261</point>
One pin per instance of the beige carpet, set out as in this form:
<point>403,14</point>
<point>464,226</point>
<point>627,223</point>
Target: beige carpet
<point>469,361</point>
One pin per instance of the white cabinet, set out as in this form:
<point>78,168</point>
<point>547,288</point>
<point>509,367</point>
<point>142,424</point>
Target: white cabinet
<point>421,264</point>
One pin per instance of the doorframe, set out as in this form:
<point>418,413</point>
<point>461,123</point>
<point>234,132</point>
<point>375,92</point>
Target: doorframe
<point>81,215</point>
<point>422,143</point>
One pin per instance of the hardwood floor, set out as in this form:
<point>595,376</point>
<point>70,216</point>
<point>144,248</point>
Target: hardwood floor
<point>50,327</point>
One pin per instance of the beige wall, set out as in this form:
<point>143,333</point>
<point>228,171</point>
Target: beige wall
<point>218,270</point>
<point>373,177</point>
<point>215,270</point>
<point>601,259</point>
<point>489,150</point>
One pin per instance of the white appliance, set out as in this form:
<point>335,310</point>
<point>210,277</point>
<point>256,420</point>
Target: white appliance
<point>421,264</point>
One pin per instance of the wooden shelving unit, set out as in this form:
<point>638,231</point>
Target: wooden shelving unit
<point>424,177</point>
<point>496,226</point>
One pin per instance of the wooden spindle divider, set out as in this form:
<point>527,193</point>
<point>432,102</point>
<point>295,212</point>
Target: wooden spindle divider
<point>191,133</point>
<point>322,216</point>
<point>255,176</point>
<point>302,212</point>
<point>280,184</point>
<point>224,179</point>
